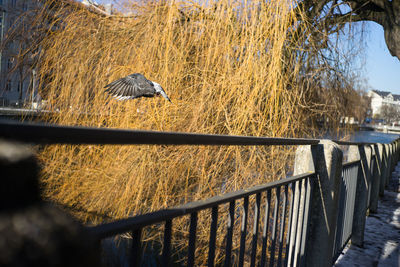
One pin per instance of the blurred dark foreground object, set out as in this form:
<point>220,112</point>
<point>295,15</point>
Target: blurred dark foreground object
<point>43,235</point>
<point>33,233</point>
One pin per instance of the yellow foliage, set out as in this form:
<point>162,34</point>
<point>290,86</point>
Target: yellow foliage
<point>222,65</point>
<point>228,67</point>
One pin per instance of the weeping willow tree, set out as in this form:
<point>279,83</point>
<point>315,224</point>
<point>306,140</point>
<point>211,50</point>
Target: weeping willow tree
<point>225,67</point>
<point>229,67</point>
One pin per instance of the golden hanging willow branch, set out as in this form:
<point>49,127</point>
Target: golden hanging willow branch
<point>222,68</point>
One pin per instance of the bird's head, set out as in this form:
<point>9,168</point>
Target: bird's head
<point>160,91</point>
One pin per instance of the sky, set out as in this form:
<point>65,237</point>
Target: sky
<point>382,71</point>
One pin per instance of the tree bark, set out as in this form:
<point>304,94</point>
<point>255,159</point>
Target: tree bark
<point>387,14</point>
<point>392,38</point>
<point>384,12</point>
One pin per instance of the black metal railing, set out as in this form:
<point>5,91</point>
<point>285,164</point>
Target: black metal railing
<point>275,237</point>
<point>299,223</point>
<point>282,209</point>
<point>347,197</point>
<point>372,170</point>
<point>51,134</point>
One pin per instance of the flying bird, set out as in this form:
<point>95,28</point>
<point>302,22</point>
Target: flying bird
<point>134,86</point>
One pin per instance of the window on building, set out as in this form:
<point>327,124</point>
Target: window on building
<point>2,22</point>
<point>20,87</point>
<point>8,86</point>
<point>13,3</point>
<point>10,62</point>
<point>1,26</point>
<point>25,6</point>
<point>11,20</point>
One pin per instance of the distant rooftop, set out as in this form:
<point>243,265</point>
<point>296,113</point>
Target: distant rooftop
<point>385,94</point>
<point>382,93</point>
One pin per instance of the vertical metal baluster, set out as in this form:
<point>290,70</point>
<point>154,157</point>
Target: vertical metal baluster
<point>352,195</point>
<point>373,170</point>
<point>213,235</point>
<point>347,183</point>
<point>341,213</point>
<point>349,188</point>
<point>340,227</point>
<point>371,175</point>
<point>292,185</point>
<point>300,221</point>
<point>167,242</point>
<point>282,230</point>
<point>243,231</point>
<point>295,224</point>
<point>192,239</point>
<point>255,230</point>
<point>136,247</point>
<point>358,171</point>
<point>265,228</point>
<point>306,220</point>
<point>352,198</point>
<point>274,227</point>
<point>231,222</point>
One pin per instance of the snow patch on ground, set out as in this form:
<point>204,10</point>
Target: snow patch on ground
<point>382,233</point>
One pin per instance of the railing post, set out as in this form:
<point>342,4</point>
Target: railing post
<point>364,154</point>
<point>385,169</point>
<point>392,159</point>
<point>326,159</point>
<point>376,178</point>
<point>389,163</point>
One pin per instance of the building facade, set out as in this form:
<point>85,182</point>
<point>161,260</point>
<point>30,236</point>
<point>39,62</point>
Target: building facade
<point>15,79</point>
<point>18,86</point>
<point>381,98</point>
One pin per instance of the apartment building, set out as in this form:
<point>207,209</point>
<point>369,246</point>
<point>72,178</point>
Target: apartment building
<point>15,79</point>
<point>381,98</point>
<point>18,86</point>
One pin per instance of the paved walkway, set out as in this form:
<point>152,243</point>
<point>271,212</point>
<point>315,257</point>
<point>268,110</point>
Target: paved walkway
<point>382,233</point>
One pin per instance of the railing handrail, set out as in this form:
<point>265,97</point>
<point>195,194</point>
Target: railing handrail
<point>140,221</point>
<point>55,134</point>
<point>350,163</point>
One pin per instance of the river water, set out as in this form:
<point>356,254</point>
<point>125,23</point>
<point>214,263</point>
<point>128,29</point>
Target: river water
<point>373,137</point>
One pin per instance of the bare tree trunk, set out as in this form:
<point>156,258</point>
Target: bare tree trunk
<point>384,12</point>
<point>392,38</point>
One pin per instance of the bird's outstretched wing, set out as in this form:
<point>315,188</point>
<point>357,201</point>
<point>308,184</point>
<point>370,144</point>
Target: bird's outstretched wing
<point>130,87</point>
